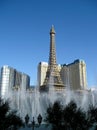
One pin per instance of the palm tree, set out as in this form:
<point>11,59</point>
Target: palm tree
<point>8,118</point>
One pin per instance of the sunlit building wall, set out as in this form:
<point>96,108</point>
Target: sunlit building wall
<point>4,81</point>
<point>41,74</point>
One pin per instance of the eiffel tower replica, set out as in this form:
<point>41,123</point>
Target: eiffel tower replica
<point>53,77</point>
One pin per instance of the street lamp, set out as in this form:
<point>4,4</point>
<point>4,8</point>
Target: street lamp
<point>26,119</point>
<point>39,118</point>
<point>33,123</point>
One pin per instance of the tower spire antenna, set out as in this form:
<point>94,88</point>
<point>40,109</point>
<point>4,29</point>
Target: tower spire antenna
<point>52,30</point>
<point>52,76</point>
<point>52,26</point>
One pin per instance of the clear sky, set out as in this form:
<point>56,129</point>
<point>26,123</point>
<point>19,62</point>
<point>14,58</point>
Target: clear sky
<point>24,34</point>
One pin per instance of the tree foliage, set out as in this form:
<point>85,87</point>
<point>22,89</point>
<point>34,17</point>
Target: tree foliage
<point>71,117</point>
<point>92,116</point>
<point>8,118</point>
<point>54,115</point>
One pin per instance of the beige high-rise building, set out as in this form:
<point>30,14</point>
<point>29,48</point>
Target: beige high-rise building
<point>42,69</point>
<point>41,74</point>
<point>73,75</point>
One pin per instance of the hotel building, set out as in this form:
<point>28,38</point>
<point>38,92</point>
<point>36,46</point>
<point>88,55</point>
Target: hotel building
<point>10,79</point>
<point>73,75</point>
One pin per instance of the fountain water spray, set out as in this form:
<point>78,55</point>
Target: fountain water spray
<point>35,102</point>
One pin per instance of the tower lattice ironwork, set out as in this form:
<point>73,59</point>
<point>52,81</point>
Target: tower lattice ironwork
<point>53,75</point>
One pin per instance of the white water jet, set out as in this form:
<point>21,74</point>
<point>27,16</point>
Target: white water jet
<point>35,102</point>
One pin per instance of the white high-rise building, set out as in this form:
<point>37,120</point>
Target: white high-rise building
<point>73,75</point>
<point>10,79</point>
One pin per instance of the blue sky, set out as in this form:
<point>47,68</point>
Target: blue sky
<point>24,34</point>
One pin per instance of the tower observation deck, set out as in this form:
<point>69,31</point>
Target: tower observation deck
<point>53,77</point>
